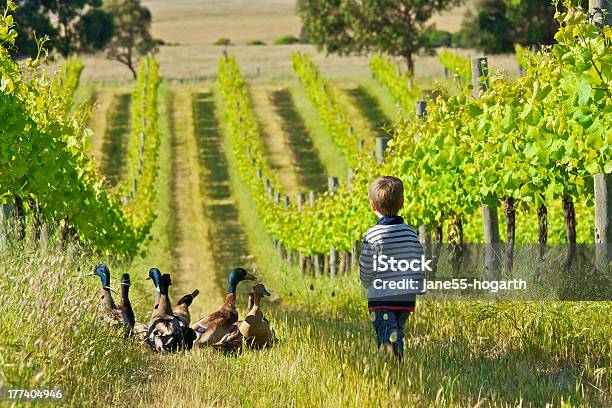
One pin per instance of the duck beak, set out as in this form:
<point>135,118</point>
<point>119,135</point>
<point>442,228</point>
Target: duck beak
<point>250,277</point>
<point>266,292</point>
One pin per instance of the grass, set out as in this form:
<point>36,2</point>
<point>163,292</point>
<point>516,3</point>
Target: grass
<point>51,337</point>
<point>116,138</point>
<point>191,248</point>
<point>275,139</point>
<point>330,155</point>
<point>367,104</point>
<point>305,157</point>
<point>225,236</point>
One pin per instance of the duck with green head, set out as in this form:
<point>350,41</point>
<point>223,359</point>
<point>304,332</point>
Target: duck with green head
<point>116,315</point>
<point>169,328</point>
<point>210,329</point>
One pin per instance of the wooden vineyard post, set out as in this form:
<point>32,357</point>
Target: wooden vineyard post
<point>349,178</point>
<point>333,261</point>
<point>332,187</point>
<point>599,13</point>
<point>5,215</point>
<point>311,198</point>
<point>381,146</point>
<point>318,264</point>
<point>332,184</point>
<point>480,69</point>
<point>346,259</point>
<point>355,255</point>
<point>19,217</point>
<point>301,199</point>
<point>424,230</point>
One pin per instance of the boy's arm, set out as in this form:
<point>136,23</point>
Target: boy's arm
<point>366,267</point>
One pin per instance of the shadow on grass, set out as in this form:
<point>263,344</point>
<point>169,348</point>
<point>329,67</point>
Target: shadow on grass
<point>226,236</point>
<point>116,138</point>
<point>309,168</point>
<point>368,105</point>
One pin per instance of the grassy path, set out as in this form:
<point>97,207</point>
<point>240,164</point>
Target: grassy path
<point>116,138</point>
<point>307,165</point>
<point>278,151</point>
<point>225,235</point>
<point>330,155</point>
<point>368,107</point>
<point>102,99</point>
<point>191,251</point>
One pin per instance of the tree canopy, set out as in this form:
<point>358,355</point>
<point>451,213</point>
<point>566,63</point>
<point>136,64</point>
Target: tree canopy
<point>71,25</point>
<point>132,37</point>
<point>397,27</point>
<point>494,26</point>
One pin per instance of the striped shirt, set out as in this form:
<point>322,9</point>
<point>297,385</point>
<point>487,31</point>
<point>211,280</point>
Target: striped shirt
<point>392,238</point>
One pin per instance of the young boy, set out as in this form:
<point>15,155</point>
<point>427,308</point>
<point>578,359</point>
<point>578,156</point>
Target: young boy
<point>388,249</point>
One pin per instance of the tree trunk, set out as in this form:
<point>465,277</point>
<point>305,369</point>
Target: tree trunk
<point>409,63</point>
<point>64,235</point>
<point>131,67</point>
<point>510,231</point>
<point>569,214</point>
<point>455,239</point>
<point>491,239</point>
<point>19,216</point>
<point>542,229</point>
<point>36,221</point>
<point>437,247</point>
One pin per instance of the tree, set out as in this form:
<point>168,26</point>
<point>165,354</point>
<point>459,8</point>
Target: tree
<point>494,26</point>
<point>67,23</point>
<point>489,28</point>
<point>132,32</point>
<point>397,27</point>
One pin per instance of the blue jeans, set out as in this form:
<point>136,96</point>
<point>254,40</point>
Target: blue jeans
<point>389,327</point>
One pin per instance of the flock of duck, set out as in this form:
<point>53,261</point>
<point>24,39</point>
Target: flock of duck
<point>170,328</point>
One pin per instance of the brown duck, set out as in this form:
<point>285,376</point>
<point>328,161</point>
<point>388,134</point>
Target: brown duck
<point>254,330</point>
<point>212,328</point>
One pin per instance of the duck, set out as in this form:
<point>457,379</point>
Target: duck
<point>211,329</point>
<point>164,333</point>
<point>181,311</point>
<point>254,330</point>
<point>134,328</point>
<point>122,315</point>
<point>113,314</point>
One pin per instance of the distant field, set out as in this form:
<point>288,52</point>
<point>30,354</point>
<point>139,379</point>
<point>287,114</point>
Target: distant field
<point>189,27</point>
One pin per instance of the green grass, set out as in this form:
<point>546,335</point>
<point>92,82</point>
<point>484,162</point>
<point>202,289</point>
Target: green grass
<point>387,106</point>
<point>331,156</point>
<point>305,157</point>
<point>368,105</point>
<point>116,138</point>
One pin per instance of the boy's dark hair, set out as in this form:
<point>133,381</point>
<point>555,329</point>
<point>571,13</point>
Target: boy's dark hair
<point>387,195</point>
